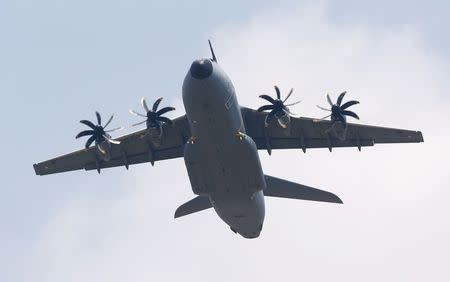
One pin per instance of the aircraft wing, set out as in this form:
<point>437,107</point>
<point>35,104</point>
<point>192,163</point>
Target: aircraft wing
<point>305,133</point>
<point>134,148</point>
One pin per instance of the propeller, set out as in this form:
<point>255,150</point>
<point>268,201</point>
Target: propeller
<point>277,106</point>
<point>98,132</point>
<point>153,116</point>
<point>338,112</point>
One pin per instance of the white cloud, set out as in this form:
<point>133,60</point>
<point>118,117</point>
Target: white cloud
<point>392,226</point>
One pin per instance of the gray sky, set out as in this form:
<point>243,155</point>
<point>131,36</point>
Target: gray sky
<point>61,61</point>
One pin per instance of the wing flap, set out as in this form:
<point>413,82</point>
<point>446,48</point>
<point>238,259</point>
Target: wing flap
<point>384,134</point>
<point>308,143</point>
<point>158,155</point>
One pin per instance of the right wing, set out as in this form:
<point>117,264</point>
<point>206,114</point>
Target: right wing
<point>134,148</point>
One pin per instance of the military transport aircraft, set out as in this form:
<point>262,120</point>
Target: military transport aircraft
<point>219,141</point>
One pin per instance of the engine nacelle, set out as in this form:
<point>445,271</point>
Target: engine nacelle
<point>155,135</point>
<point>339,129</point>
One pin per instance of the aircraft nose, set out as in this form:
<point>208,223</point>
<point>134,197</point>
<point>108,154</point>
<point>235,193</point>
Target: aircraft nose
<point>201,69</point>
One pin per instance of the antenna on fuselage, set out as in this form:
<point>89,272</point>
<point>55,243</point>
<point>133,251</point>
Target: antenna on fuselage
<point>212,51</point>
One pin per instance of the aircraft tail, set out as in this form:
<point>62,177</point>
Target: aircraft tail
<point>280,188</point>
<point>197,204</point>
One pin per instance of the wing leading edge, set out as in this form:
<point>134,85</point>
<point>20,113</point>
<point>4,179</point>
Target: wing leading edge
<point>134,148</point>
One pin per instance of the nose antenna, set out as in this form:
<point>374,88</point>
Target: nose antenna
<point>212,51</point>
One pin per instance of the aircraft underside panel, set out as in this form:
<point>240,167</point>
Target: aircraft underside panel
<point>220,168</point>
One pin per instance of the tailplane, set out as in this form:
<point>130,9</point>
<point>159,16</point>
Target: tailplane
<point>277,187</point>
<point>197,204</point>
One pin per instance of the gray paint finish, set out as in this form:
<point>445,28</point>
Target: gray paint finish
<point>222,162</point>
<point>219,141</point>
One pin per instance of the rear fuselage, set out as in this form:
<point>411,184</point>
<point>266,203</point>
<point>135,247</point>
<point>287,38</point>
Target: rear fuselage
<point>222,161</point>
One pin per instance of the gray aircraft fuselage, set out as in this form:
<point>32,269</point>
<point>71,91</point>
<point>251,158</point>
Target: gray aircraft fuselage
<point>222,162</point>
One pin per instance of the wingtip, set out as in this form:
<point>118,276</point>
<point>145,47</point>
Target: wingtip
<point>420,136</point>
<point>335,199</point>
<point>35,169</point>
<point>177,213</point>
<point>38,170</point>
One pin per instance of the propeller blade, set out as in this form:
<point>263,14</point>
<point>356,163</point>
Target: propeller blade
<point>139,123</point>
<point>88,123</point>
<point>144,104</point>
<point>322,108</point>
<point>341,96</point>
<point>164,110</point>
<point>99,118</point>
<point>89,141</point>
<point>269,118</point>
<point>115,129</point>
<point>115,142</point>
<point>137,114</point>
<point>100,149</point>
<point>278,92</point>
<point>325,117</point>
<point>267,98</point>
<point>156,104</point>
<point>295,103</point>
<point>348,104</point>
<point>165,120</point>
<point>288,95</point>
<point>329,100</point>
<point>84,133</point>
<point>350,113</point>
<point>110,140</point>
<point>109,121</point>
<point>265,108</point>
<point>287,111</point>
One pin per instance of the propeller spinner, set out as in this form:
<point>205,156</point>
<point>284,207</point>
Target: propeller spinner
<point>339,112</point>
<point>153,116</point>
<point>277,108</point>
<point>98,132</point>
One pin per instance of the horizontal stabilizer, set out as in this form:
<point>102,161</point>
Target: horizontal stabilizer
<point>197,204</point>
<point>277,187</point>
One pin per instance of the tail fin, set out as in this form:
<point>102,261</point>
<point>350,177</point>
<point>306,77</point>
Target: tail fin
<point>277,187</point>
<point>197,204</point>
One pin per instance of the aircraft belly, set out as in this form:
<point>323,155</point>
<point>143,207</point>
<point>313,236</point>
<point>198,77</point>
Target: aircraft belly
<point>228,170</point>
<point>220,168</point>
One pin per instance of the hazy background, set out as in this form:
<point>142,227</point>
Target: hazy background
<point>60,61</point>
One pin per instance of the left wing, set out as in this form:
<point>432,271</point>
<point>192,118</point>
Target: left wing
<point>307,133</point>
<point>134,148</point>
